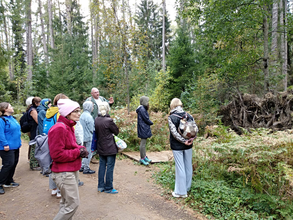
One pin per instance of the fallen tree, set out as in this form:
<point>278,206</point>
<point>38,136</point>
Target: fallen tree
<point>273,111</point>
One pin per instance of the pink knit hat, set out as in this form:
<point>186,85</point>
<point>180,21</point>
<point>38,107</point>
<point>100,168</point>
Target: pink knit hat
<point>66,106</point>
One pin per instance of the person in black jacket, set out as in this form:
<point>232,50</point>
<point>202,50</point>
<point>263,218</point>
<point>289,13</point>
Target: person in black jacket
<point>182,150</point>
<point>106,148</point>
<point>143,128</point>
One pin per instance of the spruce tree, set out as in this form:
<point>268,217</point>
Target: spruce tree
<point>181,63</point>
<point>70,69</point>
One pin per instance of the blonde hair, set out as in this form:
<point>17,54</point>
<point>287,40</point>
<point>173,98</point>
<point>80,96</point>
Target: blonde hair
<point>104,108</point>
<point>174,103</point>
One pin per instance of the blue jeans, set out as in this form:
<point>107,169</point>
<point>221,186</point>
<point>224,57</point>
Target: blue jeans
<point>9,162</point>
<point>86,161</point>
<point>183,170</point>
<point>106,170</point>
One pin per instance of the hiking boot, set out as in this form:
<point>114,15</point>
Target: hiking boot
<point>142,161</point>
<point>13,184</point>
<point>2,190</point>
<point>178,196</point>
<point>147,159</point>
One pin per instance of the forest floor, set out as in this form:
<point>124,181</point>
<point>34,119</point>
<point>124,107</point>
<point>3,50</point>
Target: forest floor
<point>138,198</point>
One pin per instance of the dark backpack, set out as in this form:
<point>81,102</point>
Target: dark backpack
<point>187,128</point>
<point>25,124</point>
<point>48,123</point>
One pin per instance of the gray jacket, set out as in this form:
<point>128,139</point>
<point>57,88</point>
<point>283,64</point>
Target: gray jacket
<point>87,121</point>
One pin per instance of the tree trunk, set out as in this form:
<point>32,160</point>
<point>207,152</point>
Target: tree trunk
<point>274,47</point>
<point>43,34</point>
<point>29,41</point>
<point>163,37</point>
<point>266,49</point>
<point>50,24</point>
<point>283,25</point>
<point>7,43</point>
<point>68,16</point>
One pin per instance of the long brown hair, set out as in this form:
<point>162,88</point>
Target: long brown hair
<point>3,107</point>
<point>59,96</point>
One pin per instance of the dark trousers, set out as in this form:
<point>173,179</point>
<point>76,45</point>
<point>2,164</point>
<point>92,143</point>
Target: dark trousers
<point>106,169</point>
<point>9,162</point>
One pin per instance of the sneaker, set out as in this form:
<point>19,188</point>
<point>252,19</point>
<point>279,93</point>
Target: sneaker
<point>143,162</point>
<point>58,195</point>
<point>2,190</point>
<point>13,184</point>
<point>81,169</point>
<point>147,159</point>
<point>80,183</point>
<point>101,189</point>
<point>113,191</point>
<point>178,196</point>
<point>89,171</point>
<point>54,192</point>
<point>36,168</point>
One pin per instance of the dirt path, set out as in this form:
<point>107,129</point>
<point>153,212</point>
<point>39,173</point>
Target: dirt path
<point>138,197</point>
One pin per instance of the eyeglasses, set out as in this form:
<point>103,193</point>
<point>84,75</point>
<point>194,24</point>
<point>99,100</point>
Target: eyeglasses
<point>76,111</point>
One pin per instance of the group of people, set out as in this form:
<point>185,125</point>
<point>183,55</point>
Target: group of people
<point>70,139</point>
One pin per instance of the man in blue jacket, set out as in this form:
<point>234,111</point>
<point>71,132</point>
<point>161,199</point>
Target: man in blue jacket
<point>143,128</point>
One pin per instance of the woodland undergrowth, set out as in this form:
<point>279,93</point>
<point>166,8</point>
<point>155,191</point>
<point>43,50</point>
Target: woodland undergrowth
<point>240,177</point>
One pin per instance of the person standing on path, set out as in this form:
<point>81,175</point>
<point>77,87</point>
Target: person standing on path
<point>96,99</point>
<point>88,125</point>
<point>10,142</point>
<point>33,118</point>
<point>42,109</point>
<point>105,127</point>
<point>66,154</point>
<point>143,128</point>
<point>182,150</point>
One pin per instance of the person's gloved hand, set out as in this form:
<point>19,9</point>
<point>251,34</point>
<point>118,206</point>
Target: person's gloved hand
<point>83,152</point>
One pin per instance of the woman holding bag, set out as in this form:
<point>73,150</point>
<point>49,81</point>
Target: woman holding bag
<point>106,148</point>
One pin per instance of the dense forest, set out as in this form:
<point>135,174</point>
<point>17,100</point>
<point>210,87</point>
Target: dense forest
<point>215,50</point>
<point>228,59</point>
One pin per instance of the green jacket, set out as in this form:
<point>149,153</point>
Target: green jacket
<point>95,112</point>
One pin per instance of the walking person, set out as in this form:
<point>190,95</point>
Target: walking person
<point>10,143</point>
<point>182,150</point>
<point>66,155</point>
<point>106,148</point>
<point>143,128</point>
<point>88,125</point>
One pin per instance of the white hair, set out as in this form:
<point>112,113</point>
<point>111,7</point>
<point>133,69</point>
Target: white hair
<point>104,108</point>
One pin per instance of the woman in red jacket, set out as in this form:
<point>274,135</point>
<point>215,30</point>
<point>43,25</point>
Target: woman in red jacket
<point>66,154</point>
